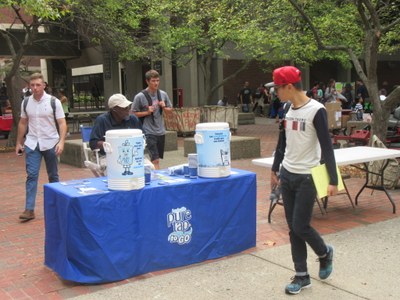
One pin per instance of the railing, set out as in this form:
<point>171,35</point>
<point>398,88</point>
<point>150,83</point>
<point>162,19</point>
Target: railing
<point>87,102</point>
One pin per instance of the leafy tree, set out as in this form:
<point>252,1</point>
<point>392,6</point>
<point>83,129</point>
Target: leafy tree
<point>114,24</point>
<point>206,29</point>
<point>302,31</point>
<point>355,31</point>
<point>27,16</point>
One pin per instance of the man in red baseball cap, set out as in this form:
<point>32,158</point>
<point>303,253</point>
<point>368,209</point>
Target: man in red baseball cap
<point>304,141</point>
<point>285,75</point>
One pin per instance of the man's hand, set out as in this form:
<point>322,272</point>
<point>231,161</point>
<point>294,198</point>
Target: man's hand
<point>274,180</point>
<point>332,190</point>
<point>59,148</point>
<point>19,149</point>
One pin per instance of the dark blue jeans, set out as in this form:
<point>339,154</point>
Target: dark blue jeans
<point>33,161</point>
<point>298,194</point>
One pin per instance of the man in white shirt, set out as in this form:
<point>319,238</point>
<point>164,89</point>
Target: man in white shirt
<point>39,117</point>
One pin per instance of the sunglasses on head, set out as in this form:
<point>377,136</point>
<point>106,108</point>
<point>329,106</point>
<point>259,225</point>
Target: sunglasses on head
<point>277,87</point>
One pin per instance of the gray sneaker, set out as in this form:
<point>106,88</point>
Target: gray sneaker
<point>326,264</point>
<point>298,283</point>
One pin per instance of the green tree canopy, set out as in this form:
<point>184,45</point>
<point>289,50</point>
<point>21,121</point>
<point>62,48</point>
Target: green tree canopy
<point>350,31</point>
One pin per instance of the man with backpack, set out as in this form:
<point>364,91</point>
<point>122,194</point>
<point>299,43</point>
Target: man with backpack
<point>44,128</point>
<point>148,106</point>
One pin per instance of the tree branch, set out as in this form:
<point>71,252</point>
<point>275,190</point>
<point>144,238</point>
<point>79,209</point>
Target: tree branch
<point>6,35</point>
<point>22,20</point>
<point>361,12</point>
<point>233,75</point>
<point>391,101</point>
<point>390,26</point>
<point>321,46</point>
<point>374,16</point>
<point>309,22</point>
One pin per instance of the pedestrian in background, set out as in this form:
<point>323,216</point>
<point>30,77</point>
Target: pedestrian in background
<point>65,105</point>
<point>64,102</point>
<point>223,101</point>
<point>259,97</point>
<point>348,93</point>
<point>245,97</point>
<point>330,92</point>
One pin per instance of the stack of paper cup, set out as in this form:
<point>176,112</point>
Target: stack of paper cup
<point>192,157</point>
<point>147,174</point>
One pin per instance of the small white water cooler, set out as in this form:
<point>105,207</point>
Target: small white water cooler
<point>213,149</point>
<point>125,159</point>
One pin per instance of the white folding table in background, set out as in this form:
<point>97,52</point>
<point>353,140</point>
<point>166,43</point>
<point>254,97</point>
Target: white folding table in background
<point>353,156</point>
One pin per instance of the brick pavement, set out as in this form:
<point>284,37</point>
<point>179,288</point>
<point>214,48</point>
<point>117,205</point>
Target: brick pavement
<point>22,271</point>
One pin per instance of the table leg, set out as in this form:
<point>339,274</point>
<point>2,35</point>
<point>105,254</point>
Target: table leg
<point>384,188</point>
<point>381,187</point>
<point>365,184</point>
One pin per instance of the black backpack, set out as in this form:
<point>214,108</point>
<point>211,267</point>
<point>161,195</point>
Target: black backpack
<point>150,102</point>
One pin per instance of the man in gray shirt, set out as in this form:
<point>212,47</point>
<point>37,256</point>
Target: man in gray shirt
<point>148,105</point>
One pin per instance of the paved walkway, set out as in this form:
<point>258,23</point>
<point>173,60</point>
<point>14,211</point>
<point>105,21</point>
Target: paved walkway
<point>367,255</point>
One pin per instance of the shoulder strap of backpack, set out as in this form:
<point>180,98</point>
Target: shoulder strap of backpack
<point>53,106</point>
<point>159,99</point>
<point>26,99</point>
<point>25,103</point>
<point>150,103</point>
<point>147,95</point>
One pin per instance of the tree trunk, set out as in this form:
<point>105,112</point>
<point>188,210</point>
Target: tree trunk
<point>380,114</point>
<point>207,79</point>
<point>14,95</point>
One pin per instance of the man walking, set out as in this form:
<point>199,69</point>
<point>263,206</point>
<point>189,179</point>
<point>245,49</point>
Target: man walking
<point>40,117</point>
<point>148,106</point>
<point>304,141</point>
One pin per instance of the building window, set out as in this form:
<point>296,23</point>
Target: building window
<point>88,92</point>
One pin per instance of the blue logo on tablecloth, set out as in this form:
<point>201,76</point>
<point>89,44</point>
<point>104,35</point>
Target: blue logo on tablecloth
<point>178,220</point>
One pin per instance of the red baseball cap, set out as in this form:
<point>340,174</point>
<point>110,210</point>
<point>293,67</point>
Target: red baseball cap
<point>285,75</point>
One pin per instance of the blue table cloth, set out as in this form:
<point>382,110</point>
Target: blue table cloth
<point>103,236</point>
